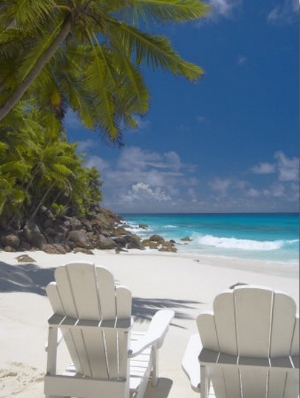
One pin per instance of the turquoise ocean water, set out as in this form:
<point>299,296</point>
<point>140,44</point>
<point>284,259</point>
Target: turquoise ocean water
<point>266,237</point>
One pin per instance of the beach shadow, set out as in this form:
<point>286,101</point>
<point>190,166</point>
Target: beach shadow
<point>27,277</point>
<point>143,309</point>
<point>31,278</point>
<point>162,389</point>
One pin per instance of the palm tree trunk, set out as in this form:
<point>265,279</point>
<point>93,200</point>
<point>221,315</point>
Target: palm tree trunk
<point>21,89</point>
<point>42,200</point>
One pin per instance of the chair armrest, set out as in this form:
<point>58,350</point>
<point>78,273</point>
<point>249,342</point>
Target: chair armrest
<point>155,334</point>
<point>190,361</point>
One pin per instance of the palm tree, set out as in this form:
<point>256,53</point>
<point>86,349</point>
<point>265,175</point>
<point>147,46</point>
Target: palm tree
<point>87,54</point>
<point>39,167</point>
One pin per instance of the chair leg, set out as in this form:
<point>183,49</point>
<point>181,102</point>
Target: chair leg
<point>155,366</point>
<point>204,385</point>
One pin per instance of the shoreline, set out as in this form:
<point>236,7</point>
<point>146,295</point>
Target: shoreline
<point>187,284</point>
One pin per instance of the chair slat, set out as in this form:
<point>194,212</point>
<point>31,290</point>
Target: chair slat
<point>232,382</point>
<point>84,290</point>
<point>112,352</point>
<point>224,309</point>
<point>106,293</point>
<point>276,384</point>
<point>253,320</point>
<point>123,302</point>
<point>284,311</point>
<point>295,341</point>
<point>253,382</point>
<point>292,385</point>
<point>55,300</point>
<point>53,295</point>
<point>95,352</point>
<point>218,382</point>
<point>65,292</point>
<point>207,330</point>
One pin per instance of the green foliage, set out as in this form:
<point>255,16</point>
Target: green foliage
<point>39,167</point>
<point>80,54</point>
<point>86,54</point>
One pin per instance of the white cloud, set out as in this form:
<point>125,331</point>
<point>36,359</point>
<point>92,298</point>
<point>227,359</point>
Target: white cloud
<point>134,158</point>
<point>99,163</point>
<point>173,160</point>
<point>264,168</point>
<point>142,125</point>
<point>85,145</point>
<point>201,119</point>
<point>142,192</point>
<point>242,60</point>
<point>284,13</point>
<point>141,180</point>
<point>253,193</point>
<point>288,168</point>
<point>220,185</point>
<point>72,120</point>
<point>223,8</point>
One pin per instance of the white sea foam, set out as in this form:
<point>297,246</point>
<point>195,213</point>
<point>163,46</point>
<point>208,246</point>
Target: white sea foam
<point>242,244</point>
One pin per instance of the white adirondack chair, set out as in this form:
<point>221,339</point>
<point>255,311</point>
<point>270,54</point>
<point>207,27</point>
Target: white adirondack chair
<point>93,316</point>
<point>249,346</point>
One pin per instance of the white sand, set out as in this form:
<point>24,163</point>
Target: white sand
<point>187,284</point>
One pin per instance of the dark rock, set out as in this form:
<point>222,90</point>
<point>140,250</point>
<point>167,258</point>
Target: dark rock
<point>11,240</point>
<point>150,244</point>
<point>186,239</point>
<point>38,241</point>
<point>55,249</point>
<point>9,249</point>
<point>33,235</point>
<point>24,246</point>
<point>143,226</point>
<point>156,238</point>
<point>105,243</point>
<point>100,229</point>
<point>50,249</point>
<point>120,231</point>
<point>24,258</point>
<point>79,238</point>
<point>129,242</point>
<point>167,249</point>
<point>82,250</point>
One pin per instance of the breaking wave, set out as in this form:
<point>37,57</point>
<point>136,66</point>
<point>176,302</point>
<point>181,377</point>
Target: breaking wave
<point>244,244</point>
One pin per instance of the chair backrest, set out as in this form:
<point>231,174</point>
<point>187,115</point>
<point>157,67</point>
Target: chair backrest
<point>99,315</point>
<point>255,325</point>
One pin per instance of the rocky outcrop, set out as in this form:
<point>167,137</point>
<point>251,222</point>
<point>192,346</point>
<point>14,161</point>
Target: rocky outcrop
<point>159,243</point>
<point>101,229</point>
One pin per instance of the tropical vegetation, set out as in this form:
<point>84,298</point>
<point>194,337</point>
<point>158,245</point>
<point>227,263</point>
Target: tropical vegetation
<point>87,55</point>
<point>40,169</point>
<point>83,55</point>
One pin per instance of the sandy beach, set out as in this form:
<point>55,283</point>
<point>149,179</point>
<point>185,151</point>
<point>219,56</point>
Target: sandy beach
<point>187,284</point>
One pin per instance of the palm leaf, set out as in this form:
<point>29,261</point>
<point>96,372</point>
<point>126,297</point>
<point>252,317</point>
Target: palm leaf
<point>26,12</point>
<point>156,51</point>
<point>164,11</point>
<point>36,51</point>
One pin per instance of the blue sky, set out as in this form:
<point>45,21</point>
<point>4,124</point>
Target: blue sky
<point>228,143</point>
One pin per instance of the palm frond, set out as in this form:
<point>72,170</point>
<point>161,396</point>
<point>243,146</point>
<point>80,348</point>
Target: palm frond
<point>164,11</point>
<point>156,51</point>
<point>36,51</point>
<point>26,12</point>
